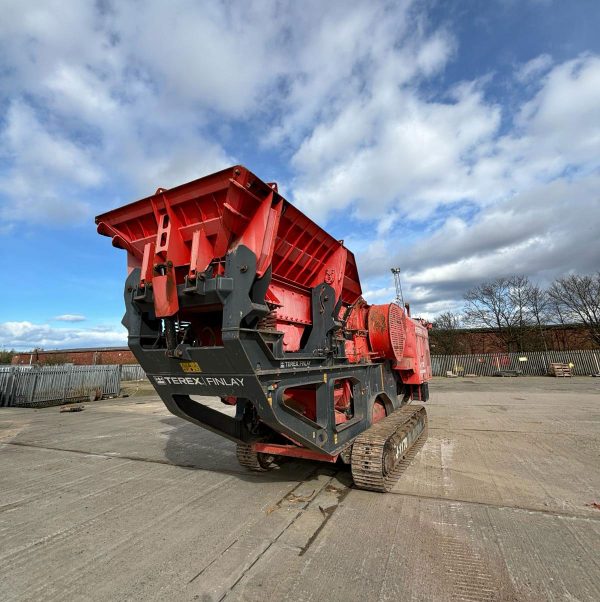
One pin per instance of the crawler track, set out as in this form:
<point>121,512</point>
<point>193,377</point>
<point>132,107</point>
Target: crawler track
<point>253,460</point>
<point>384,451</point>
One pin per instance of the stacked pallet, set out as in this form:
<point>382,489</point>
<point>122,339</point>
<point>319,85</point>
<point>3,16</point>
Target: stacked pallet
<point>561,370</point>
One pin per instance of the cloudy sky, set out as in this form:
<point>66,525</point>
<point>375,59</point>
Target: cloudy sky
<point>457,140</point>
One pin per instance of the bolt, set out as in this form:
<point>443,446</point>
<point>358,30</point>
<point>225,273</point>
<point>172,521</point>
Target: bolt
<point>244,269</point>
<point>236,171</point>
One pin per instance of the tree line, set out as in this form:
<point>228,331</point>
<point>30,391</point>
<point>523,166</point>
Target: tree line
<point>6,356</point>
<point>519,312</point>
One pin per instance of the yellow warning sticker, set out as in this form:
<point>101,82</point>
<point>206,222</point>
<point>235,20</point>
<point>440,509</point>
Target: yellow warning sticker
<point>190,367</point>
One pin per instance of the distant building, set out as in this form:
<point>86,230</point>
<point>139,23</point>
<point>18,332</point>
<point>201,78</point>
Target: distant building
<point>80,357</point>
<point>554,337</point>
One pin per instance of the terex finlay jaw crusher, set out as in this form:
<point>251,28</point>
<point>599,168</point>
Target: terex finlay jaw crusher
<point>233,292</point>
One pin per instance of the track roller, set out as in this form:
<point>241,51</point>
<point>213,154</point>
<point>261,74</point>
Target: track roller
<point>252,460</point>
<point>384,451</point>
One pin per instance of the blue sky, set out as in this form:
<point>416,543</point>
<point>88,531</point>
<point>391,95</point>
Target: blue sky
<point>458,140</point>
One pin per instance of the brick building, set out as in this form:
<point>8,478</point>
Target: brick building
<point>80,357</point>
<point>555,337</point>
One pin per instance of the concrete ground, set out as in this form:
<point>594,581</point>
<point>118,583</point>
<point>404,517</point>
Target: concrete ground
<point>125,502</point>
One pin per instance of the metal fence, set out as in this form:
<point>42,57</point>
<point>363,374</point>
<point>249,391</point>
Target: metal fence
<point>132,372</point>
<point>28,386</point>
<point>534,363</point>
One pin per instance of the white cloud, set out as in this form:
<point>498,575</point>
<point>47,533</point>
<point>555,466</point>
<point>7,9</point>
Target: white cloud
<point>352,94</point>
<point>534,68</point>
<point>214,56</point>
<point>533,186</point>
<point>562,121</point>
<point>420,155</point>
<point>94,100</point>
<point>119,103</point>
<point>27,335</point>
<point>413,154</point>
<point>41,160</point>
<point>36,148</point>
<point>70,318</point>
<point>546,232</point>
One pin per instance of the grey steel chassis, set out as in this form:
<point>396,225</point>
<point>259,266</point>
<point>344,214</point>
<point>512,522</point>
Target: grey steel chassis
<point>251,364</point>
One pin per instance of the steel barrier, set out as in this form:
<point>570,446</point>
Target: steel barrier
<point>132,372</point>
<point>32,386</point>
<point>528,363</point>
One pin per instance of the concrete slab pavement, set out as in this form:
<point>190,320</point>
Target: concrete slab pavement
<point>125,502</point>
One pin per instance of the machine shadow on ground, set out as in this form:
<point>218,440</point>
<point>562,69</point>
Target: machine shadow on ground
<point>192,447</point>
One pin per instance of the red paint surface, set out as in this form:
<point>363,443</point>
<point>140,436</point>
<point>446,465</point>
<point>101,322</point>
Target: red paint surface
<point>292,451</point>
<point>197,223</point>
<point>189,229</point>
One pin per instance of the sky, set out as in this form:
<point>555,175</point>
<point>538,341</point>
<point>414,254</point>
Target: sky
<point>457,140</point>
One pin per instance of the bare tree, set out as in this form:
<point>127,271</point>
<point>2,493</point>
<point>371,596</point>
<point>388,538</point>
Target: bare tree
<point>538,302</point>
<point>519,295</point>
<point>448,321</point>
<point>556,315</point>
<point>578,299</point>
<point>445,334</point>
<point>502,304</point>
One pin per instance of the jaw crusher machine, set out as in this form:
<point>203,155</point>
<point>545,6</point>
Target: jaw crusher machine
<point>233,292</point>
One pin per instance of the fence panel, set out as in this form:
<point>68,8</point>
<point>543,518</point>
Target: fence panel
<point>533,363</point>
<point>52,385</point>
<point>47,385</point>
<point>132,372</point>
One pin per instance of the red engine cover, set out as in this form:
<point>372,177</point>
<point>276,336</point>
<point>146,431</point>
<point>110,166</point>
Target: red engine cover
<point>387,332</point>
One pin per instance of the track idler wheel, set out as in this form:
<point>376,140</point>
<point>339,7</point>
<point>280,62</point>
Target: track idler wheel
<point>253,460</point>
<point>384,451</point>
